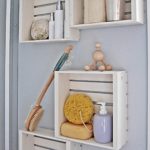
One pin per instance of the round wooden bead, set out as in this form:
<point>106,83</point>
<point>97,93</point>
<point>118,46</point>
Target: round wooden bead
<point>98,55</point>
<point>87,68</point>
<point>102,68</point>
<point>108,67</point>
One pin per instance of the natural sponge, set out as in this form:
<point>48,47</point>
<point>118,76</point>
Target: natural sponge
<point>78,109</point>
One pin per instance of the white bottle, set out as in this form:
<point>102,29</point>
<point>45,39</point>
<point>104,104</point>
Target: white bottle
<point>59,21</point>
<point>51,26</point>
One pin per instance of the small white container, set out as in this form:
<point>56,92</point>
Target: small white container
<point>115,10</point>
<point>59,21</point>
<point>51,27</point>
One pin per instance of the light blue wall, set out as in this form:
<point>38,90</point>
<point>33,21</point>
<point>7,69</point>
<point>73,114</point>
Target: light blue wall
<point>2,72</point>
<point>125,48</point>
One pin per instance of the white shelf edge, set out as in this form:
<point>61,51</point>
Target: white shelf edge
<point>89,72</point>
<point>90,142</point>
<point>45,133</point>
<point>47,41</point>
<point>106,24</point>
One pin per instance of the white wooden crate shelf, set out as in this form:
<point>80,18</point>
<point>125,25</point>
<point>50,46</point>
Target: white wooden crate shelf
<point>133,15</point>
<point>36,9</point>
<point>42,139</point>
<point>110,86</point>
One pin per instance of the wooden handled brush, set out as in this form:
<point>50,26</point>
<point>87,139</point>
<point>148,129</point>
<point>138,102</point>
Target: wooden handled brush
<point>37,111</point>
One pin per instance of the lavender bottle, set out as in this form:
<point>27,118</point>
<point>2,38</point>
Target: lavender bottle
<point>102,125</point>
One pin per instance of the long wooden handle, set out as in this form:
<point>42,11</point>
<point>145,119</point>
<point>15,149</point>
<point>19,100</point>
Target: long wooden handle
<point>50,79</point>
<point>45,88</point>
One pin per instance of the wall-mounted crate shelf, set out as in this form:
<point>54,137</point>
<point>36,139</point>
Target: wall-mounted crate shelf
<point>36,9</point>
<point>100,86</point>
<point>133,15</point>
<point>42,139</point>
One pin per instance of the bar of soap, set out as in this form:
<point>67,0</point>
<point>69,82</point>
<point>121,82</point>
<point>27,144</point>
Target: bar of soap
<point>77,131</point>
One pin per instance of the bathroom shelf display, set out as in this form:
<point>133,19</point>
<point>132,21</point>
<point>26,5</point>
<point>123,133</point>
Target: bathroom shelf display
<point>109,86</point>
<point>133,15</point>
<point>37,9</point>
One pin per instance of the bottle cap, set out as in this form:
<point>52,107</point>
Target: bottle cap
<point>52,16</point>
<point>103,110</point>
<point>59,5</point>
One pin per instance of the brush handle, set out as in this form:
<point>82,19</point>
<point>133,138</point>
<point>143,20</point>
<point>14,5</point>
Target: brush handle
<point>45,88</point>
<point>51,77</point>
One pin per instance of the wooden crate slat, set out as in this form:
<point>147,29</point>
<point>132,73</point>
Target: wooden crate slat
<point>44,2</point>
<point>49,143</point>
<point>47,17</point>
<point>91,77</point>
<point>44,10</point>
<point>92,86</point>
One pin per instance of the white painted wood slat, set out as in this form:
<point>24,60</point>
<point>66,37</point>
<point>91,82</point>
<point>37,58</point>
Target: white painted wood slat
<point>92,86</point>
<point>44,10</point>
<point>44,2</point>
<point>49,143</point>
<point>91,77</point>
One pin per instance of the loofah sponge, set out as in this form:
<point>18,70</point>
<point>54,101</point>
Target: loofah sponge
<point>78,109</point>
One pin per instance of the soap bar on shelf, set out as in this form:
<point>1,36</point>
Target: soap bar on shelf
<point>77,131</point>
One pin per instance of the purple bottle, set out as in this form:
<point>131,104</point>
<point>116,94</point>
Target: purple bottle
<point>102,125</point>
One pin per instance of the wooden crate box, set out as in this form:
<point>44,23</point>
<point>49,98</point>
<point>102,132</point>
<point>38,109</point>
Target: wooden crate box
<point>40,9</point>
<point>110,87</point>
